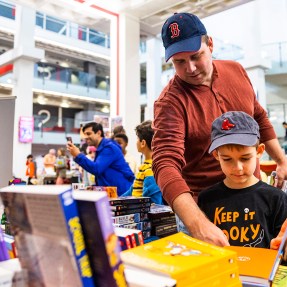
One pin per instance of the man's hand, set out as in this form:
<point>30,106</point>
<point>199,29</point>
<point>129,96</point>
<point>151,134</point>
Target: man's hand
<point>74,151</point>
<point>281,174</point>
<point>275,242</point>
<point>196,222</point>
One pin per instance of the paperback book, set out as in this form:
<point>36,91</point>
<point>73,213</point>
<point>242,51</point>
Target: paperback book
<point>101,241</point>
<point>48,234</point>
<point>183,258</point>
<point>129,200</point>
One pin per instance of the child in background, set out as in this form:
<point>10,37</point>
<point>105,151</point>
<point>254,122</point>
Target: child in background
<point>249,211</point>
<point>144,183</point>
<point>61,166</point>
<point>88,178</point>
<point>123,141</point>
<point>31,169</point>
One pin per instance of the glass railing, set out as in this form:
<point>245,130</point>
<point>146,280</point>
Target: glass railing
<point>7,10</point>
<point>67,80</point>
<point>61,27</point>
<point>277,53</point>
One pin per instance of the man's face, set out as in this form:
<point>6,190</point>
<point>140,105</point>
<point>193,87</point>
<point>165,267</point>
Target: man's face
<point>195,67</point>
<point>92,139</point>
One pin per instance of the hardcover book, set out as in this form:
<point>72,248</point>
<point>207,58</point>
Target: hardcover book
<point>254,270</point>
<point>257,266</point>
<point>102,243</point>
<point>130,211</point>
<point>182,258</point>
<point>48,234</point>
<point>128,206</point>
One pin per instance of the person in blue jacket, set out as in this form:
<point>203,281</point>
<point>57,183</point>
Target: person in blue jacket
<point>109,165</point>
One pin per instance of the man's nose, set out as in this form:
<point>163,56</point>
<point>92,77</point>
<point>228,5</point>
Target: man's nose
<point>191,67</point>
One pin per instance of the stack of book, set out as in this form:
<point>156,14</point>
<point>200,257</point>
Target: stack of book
<point>189,261</point>
<point>132,213</point>
<point>64,238</point>
<point>163,221</point>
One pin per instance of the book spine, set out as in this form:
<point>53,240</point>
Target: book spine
<point>77,238</point>
<point>129,206</point>
<point>130,211</point>
<point>126,219</point>
<point>125,200</point>
<point>3,248</point>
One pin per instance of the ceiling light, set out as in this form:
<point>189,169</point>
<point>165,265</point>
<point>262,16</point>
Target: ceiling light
<point>41,100</point>
<point>65,104</point>
<point>105,109</point>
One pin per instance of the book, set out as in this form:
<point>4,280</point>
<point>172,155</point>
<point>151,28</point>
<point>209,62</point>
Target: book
<point>182,258</point>
<point>159,211</point>
<point>123,232</point>
<point>128,206</point>
<point>280,279</point>
<point>102,244</point>
<point>130,218</point>
<point>129,200</point>
<point>130,211</point>
<point>256,265</point>
<point>48,236</point>
<point>254,270</point>
<point>141,278</point>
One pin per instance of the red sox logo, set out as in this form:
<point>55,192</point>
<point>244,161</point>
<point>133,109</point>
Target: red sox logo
<point>174,30</point>
<point>226,125</point>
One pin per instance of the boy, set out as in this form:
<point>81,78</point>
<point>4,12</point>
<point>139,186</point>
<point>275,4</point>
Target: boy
<point>123,141</point>
<point>144,183</point>
<point>249,211</point>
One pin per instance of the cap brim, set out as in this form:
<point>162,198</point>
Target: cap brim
<point>188,45</point>
<point>240,139</point>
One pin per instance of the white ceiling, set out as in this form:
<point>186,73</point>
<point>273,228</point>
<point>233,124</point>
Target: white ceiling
<point>151,13</point>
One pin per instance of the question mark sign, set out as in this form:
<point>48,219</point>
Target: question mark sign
<point>45,120</point>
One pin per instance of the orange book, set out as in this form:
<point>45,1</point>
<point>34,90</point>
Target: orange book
<point>183,258</point>
<point>256,265</point>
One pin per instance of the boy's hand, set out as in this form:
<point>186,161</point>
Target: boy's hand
<point>275,242</point>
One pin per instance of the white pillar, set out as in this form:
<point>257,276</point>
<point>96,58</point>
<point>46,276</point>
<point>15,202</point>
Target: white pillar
<point>153,74</point>
<point>23,74</point>
<point>129,77</point>
<point>253,61</point>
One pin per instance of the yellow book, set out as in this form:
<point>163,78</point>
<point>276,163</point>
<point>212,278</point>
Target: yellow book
<point>181,257</point>
<point>280,279</point>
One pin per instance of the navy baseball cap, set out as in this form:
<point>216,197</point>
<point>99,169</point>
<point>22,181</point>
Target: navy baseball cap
<point>182,33</point>
<point>234,128</point>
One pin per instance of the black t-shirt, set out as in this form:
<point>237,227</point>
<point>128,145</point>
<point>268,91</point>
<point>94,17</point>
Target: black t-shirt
<point>250,216</point>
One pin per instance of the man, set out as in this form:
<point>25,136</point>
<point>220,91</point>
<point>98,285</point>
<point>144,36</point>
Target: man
<point>49,161</point>
<point>201,90</point>
<point>109,165</point>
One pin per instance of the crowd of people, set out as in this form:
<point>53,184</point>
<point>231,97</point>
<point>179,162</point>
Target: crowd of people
<point>201,151</point>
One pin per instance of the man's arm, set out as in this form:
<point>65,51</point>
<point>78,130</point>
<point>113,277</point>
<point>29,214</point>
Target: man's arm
<point>274,149</point>
<point>196,222</point>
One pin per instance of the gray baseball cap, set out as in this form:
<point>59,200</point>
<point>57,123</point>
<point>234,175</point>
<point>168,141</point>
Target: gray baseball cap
<point>234,128</point>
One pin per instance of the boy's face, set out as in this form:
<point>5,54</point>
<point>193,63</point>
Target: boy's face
<point>238,163</point>
<point>122,143</point>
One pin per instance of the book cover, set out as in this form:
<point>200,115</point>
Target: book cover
<point>280,279</point>
<point>256,265</point>
<point>48,235</point>
<point>180,257</point>
<point>159,211</point>
<point>126,219</point>
<point>121,232</point>
<point>129,200</point>
<point>254,270</point>
<point>103,246</point>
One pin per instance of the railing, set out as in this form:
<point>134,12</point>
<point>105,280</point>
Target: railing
<point>277,53</point>
<point>61,27</point>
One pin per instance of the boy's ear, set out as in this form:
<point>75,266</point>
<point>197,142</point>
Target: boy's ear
<point>143,143</point>
<point>215,154</point>
<point>260,150</point>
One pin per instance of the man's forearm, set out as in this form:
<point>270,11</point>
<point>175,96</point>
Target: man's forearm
<point>275,151</point>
